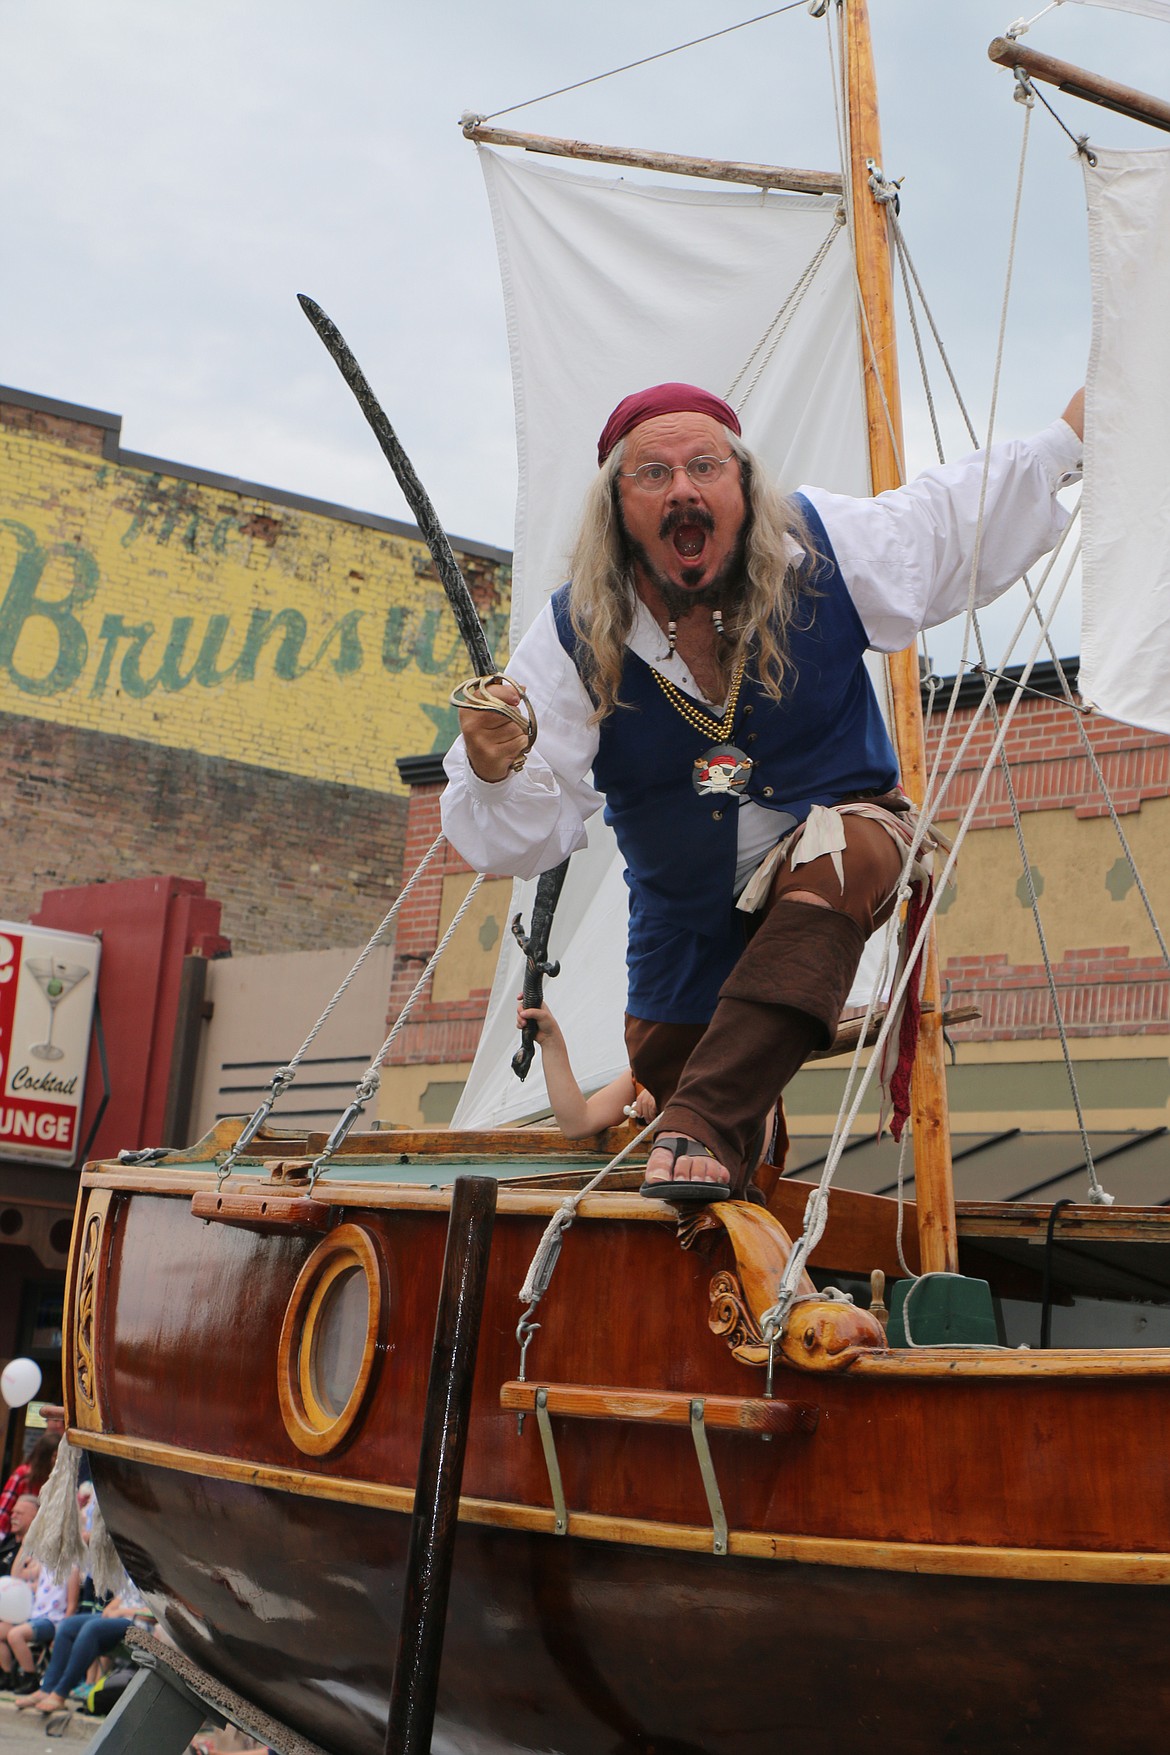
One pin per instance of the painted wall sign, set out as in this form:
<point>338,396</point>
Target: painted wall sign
<point>48,983</point>
<point>154,607</point>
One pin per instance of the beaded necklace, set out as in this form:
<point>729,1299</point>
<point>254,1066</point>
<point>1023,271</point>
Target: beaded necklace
<point>722,768</point>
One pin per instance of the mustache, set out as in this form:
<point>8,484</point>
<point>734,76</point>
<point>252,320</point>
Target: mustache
<point>677,516</point>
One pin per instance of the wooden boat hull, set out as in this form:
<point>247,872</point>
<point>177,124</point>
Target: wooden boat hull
<point>967,1552</point>
<point>578,1647</point>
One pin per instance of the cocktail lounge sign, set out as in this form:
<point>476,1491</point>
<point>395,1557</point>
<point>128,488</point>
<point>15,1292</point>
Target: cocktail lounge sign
<point>48,982</point>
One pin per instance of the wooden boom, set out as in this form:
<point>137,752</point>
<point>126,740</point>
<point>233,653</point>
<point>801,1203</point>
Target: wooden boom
<point>1079,82</point>
<point>638,158</point>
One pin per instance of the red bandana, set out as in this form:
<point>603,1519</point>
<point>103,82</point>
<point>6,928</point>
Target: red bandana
<point>662,399</point>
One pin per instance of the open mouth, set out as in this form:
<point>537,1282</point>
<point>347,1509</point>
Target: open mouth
<point>688,529</point>
<point>689,541</point>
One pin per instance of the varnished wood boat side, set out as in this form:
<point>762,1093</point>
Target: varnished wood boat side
<point>939,1559</point>
<point>207,1323</point>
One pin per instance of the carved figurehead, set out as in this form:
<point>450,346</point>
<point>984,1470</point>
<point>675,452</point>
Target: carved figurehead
<point>827,1334</point>
<point>824,1332</point>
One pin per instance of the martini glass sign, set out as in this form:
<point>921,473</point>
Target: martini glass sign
<point>56,980</point>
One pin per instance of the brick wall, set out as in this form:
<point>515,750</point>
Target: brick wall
<point>439,1031</point>
<point>1102,992</point>
<point>1050,769</point>
<point>1105,987</point>
<point>297,864</point>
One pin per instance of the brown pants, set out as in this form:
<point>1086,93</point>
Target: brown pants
<point>783,998</point>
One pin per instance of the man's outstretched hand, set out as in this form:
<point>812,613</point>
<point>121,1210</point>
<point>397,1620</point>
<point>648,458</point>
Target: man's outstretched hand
<point>1074,414</point>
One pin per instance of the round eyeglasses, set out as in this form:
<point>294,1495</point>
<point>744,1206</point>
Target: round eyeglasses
<point>653,477</point>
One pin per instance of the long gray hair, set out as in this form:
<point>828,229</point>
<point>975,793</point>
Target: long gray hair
<point>603,600</point>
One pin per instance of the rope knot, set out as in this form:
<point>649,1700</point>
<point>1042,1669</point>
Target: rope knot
<point>368,1084</point>
<point>1023,92</point>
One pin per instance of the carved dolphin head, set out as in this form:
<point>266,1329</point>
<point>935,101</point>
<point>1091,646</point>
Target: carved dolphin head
<point>827,1334</point>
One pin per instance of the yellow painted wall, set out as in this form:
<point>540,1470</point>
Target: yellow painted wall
<point>469,962</point>
<point>1087,896</point>
<point>154,607</point>
<point>421,1095</point>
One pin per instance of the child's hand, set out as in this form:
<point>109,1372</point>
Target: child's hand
<point>547,1028</point>
<point>644,1106</point>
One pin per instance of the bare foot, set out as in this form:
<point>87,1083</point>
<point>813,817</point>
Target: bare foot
<point>50,1703</point>
<point>698,1166</point>
<point>30,1700</point>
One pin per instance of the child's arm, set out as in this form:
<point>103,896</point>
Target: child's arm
<point>576,1114</point>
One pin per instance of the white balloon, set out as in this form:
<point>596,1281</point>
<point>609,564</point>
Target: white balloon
<point>16,1600</point>
<point>19,1381</point>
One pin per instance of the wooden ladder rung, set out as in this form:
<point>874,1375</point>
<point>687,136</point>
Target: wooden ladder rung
<point>671,1407</point>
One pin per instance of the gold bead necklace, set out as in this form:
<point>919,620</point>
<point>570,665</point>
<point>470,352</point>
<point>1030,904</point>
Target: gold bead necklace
<point>718,730</point>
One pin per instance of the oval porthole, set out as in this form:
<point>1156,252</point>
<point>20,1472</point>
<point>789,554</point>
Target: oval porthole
<point>329,1340</point>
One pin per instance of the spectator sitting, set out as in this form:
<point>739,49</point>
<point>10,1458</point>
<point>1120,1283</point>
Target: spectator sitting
<point>23,1511</point>
<point>51,1603</point>
<point>80,1641</point>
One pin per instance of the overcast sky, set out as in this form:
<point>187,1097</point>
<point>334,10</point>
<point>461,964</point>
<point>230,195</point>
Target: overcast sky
<point>171,175</point>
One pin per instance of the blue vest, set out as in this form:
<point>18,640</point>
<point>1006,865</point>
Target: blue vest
<point>824,741</point>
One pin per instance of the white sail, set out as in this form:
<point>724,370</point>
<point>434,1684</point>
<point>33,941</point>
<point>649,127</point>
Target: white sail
<point>1125,643</point>
<point>611,285</point>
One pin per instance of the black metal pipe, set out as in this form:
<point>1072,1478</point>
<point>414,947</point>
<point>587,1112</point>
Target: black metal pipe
<point>1046,1300</point>
<point>189,1021</point>
<point>446,1419</point>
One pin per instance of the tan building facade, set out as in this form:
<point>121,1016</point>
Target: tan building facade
<point>1111,978</point>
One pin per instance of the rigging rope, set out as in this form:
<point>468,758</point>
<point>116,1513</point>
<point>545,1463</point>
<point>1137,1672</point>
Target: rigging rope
<point>930,803</point>
<point>1079,711</point>
<point>779,324</point>
<point>372,1077</point>
<point>1096,1193</point>
<point>1005,766</point>
<point>284,1075</point>
<point>645,61</point>
<point>1086,744</point>
<point>816,1210</point>
<point>904,252</point>
<point>540,1269</point>
<point>1080,141</point>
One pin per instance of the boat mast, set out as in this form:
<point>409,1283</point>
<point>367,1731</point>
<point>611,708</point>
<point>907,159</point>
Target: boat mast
<point>934,1186</point>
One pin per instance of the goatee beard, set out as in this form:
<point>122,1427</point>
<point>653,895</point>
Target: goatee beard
<point>725,591</point>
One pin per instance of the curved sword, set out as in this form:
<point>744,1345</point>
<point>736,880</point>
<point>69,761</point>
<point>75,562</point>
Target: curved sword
<point>417,498</point>
<point>548,889</point>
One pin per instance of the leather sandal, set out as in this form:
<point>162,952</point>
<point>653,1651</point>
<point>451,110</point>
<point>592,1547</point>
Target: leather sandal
<point>684,1192</point>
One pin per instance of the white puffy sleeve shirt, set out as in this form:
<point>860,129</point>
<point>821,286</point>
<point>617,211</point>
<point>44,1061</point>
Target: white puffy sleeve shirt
<point>905,557</point>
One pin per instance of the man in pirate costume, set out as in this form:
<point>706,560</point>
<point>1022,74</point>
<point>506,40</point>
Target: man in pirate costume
<point>702,676</point>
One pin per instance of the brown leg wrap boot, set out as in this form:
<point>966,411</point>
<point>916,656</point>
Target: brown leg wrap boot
<point>783,999</point>
<point>659,1052</point>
